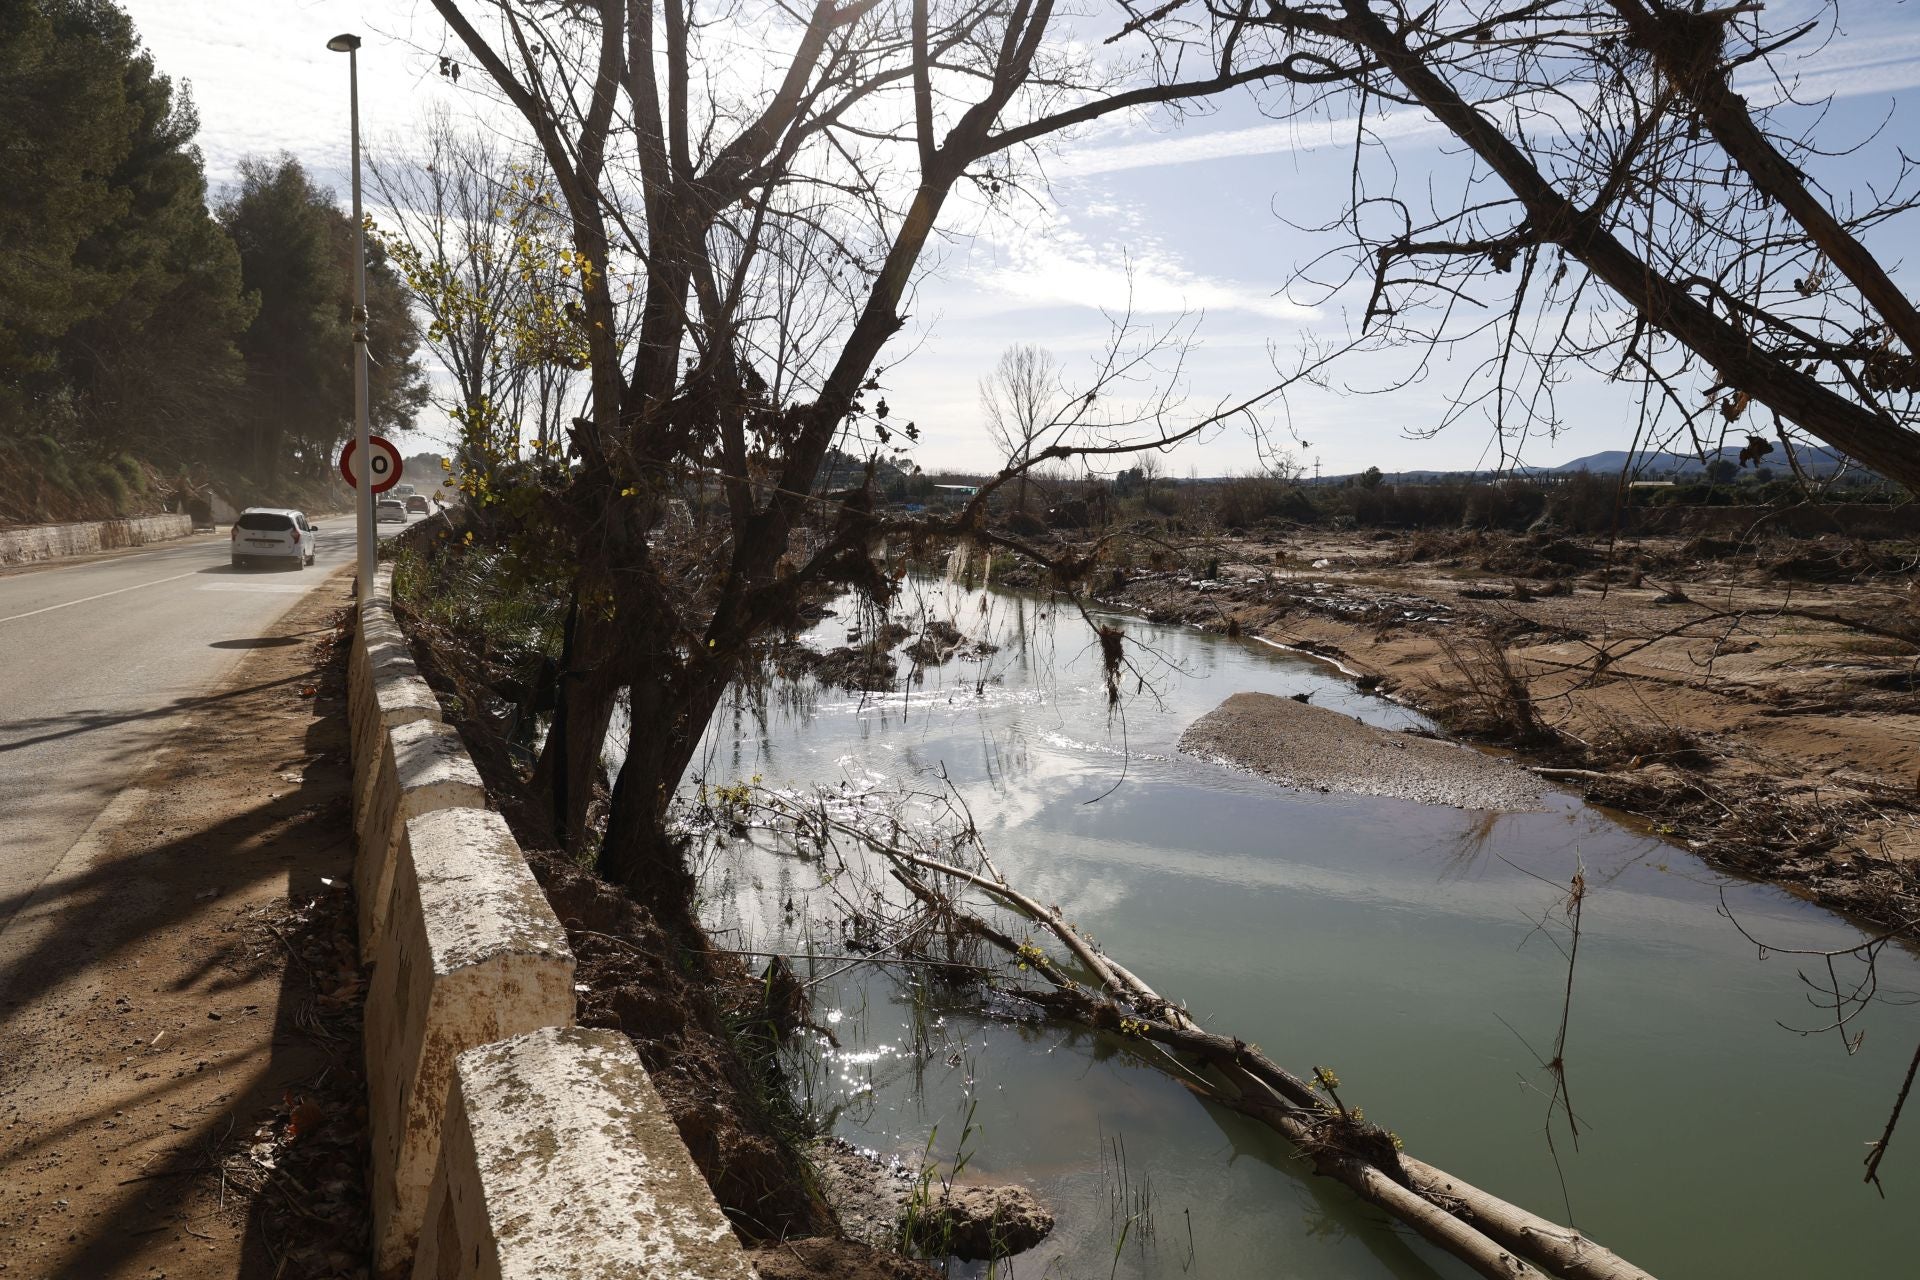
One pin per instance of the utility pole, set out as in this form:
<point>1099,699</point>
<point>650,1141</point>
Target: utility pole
<point>349,44</point>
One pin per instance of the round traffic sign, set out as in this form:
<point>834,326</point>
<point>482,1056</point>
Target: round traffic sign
<point>385,463</point>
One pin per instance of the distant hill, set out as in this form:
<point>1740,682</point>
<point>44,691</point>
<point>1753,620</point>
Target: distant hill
<point>1660,465</point>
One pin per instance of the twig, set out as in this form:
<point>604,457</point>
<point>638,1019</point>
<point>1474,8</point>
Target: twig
<point>1878,1148</point>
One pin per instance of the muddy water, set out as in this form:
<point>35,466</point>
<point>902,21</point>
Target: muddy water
<point>1396,943</point>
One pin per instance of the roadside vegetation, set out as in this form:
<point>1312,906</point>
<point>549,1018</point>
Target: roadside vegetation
<point>156,347</point>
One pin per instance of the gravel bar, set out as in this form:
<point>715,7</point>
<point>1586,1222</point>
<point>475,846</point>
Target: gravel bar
<point>1299,745</point>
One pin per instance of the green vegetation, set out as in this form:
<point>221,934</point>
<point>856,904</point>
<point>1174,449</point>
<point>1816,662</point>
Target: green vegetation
<point>1577,502</point>
<point>141,337</point>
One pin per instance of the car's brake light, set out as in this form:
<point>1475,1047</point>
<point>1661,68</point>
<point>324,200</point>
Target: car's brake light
<point>296,537</point>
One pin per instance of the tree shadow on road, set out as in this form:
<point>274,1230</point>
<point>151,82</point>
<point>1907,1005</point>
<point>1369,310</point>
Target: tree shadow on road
<point>158,1005</point>
<point>73,723</point>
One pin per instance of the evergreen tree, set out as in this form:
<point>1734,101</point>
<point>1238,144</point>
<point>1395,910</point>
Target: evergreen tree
<point>63,127</point>
<point>120,297</point>
<point>296,253</point>
<point>155,365</point>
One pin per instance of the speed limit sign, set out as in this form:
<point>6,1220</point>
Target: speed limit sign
<point>384,463</point>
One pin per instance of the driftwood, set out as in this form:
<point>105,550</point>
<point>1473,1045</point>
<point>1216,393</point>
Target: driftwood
<point>1495,1238</point>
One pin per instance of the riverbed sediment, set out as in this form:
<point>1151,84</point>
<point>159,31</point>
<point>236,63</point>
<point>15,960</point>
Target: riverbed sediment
<point>1763,713</point>
<point>1300,745</point>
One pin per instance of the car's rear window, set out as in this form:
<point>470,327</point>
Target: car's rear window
<point>266,520</point>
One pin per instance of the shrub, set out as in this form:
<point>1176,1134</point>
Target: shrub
<point>130,471</point>
<point>1243,501</point>
<point>111,484</point>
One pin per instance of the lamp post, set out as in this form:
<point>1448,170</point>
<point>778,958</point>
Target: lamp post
<point>349,44</point>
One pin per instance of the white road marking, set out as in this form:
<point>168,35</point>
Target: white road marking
<point>34,613</point>
<point>283,588</point>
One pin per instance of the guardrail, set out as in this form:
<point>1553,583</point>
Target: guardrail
<point>506,1142</point>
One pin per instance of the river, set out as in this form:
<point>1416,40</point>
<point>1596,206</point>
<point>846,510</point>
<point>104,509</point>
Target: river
<point>1399,944</point>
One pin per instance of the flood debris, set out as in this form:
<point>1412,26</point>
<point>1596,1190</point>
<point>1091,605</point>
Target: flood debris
<point>833,1258</point>
<point>1088,987</point>
<point>940,642</point>
<point>865,668</point>
<point>304,1162</point>
<point>1686,680</point>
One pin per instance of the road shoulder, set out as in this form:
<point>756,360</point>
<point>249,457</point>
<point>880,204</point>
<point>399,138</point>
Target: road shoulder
<point>174,996</point>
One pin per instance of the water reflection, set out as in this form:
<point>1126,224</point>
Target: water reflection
<point>1393,941</point>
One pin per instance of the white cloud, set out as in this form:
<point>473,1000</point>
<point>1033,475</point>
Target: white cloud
<point>1862,66</point>
<point>1048,261</point>
<point>1078,274</point>
<point>1259,140</point>
<point>265,82</point>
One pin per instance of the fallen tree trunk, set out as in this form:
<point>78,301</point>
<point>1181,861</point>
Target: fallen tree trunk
<point>1495,1238</point>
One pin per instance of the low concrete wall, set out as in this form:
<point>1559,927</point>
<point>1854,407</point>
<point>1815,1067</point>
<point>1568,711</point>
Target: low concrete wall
<point>564,1126</point>
<point>544,1150</point>
<point>384,691</point>
<point>422,769</point>
<point>472,954</point>
<point>51,541</point>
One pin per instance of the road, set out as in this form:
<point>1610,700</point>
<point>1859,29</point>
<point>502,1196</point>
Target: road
<point>101,662</point>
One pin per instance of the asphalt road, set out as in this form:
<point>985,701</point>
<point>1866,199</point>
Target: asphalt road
<point>100,661</point>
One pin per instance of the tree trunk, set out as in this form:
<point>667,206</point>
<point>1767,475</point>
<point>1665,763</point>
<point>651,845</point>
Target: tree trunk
<point>638,853</point>
<point>584,697</point>
<point>1675,38</point>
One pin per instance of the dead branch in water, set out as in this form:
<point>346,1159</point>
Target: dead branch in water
<point>1878,1148</point>
<point>1846,1000</point>
<point>1495,1238</point>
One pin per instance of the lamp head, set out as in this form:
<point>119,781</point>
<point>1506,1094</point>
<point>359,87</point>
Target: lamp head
<point>346,43</point>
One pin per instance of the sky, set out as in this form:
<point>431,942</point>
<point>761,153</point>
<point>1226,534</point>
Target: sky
<point>1202,221</point>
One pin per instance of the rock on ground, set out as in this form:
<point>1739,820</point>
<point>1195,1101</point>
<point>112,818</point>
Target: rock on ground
<point>1299,745</point>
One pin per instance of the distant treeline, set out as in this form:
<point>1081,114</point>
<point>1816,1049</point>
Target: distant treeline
<point>141,332</point>
<point>1576,502</point>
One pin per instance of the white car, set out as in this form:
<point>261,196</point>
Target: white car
<point>279,534</point>
<point>390,511</point>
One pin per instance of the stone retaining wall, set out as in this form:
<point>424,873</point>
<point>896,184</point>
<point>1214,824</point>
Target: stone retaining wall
<point>51,541</point>
<point>506,1142</point>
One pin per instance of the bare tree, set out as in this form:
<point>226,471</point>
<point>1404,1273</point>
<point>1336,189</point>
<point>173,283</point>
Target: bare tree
<point>1150,469</point>
<point>474,229</point>
<point>1615,164</point>
<point>1020,399</point>
<point>757,212</point>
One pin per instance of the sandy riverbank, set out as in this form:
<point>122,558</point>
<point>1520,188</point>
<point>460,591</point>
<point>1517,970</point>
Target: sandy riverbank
<point>1759,702</point>
<point>1299,745</point>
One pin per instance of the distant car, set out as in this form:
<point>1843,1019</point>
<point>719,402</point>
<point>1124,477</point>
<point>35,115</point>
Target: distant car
<point>391,510</point>
<point>418,502</point>
<point>278,534</point>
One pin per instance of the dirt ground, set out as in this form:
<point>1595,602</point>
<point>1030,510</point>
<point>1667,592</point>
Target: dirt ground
<point>177,1036</point>
<point>1761,704</point>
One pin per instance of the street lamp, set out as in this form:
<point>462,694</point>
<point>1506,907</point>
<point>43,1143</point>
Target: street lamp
<point>349,44</point>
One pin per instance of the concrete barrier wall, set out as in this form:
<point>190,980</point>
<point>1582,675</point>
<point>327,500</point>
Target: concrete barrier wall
<point>564,1126</point>
<point>472,954</point>
<point>422,768</point>
<point>504,1142</point>
<point>51,541</point>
